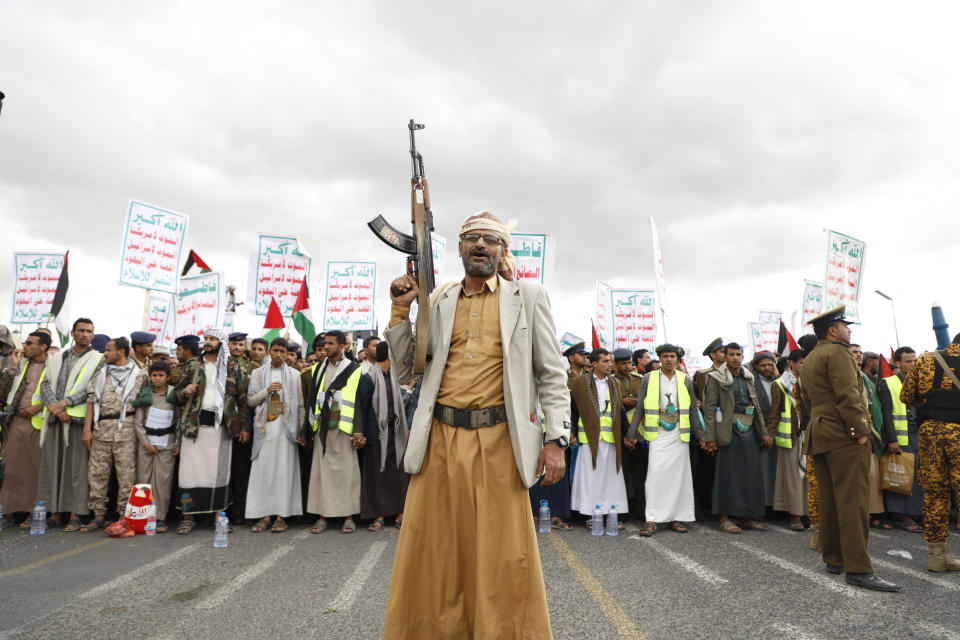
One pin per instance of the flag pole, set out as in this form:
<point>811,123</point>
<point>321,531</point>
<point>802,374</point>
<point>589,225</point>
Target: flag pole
<point>146,308</point>
<point>663,323</point>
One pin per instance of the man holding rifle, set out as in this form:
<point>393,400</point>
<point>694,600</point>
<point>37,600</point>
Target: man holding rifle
<point>467,562</point>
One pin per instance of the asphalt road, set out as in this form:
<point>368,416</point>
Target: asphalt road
<point>704,584</point>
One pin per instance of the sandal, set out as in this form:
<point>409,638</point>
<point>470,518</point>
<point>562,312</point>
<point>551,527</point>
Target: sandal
<point>279,525</point>
<point>162,526</point>
<point>753,525</point>
<point>877,523</point>
<point>320,526</point>
<point>679,527</point>
<point>26,524</point>
<point>911,525</point>
<point>729,526</point>
<point>398,523</point>
<point>73,525</point>
<point>376,525</point>
<point>349,526</point>
<point>648,529</point>
<point>93,525</point>
<point>560,525</point>
<point>262,525</point>
<point>186,526</point>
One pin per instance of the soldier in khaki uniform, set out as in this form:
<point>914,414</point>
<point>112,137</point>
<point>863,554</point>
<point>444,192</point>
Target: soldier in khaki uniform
<point>141,349</point>
<point>188,348</point>
<point>108,429</point>
<point>577,357</point>
<point>931,388</point>
<point>839,439</point>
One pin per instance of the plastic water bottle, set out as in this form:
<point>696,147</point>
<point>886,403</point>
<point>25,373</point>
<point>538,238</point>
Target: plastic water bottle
<point>544,517</point>
<point>220,537</point>
<point>38,525</point>
<point>596,527</point>
<point>151,528</point>
<point>719,415</point>
<point>612,527</point>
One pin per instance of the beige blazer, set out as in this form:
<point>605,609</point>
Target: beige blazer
<point>532,371</point>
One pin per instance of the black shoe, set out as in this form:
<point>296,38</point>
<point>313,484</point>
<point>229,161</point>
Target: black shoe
<point>237,520</point>
<point>871,581</point>
<point>835,569</point>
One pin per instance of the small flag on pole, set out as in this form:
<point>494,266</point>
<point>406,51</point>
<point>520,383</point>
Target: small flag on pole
<point>194,259</point>
<point>59,301</point>
<point>302,318</point>
<point>274,321</point>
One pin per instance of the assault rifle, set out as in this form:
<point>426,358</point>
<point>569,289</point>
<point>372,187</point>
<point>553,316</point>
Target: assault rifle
<point>418,246</point>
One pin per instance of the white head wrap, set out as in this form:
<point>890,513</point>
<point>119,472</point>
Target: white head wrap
<point>486,221</point>
<point>222,357</point>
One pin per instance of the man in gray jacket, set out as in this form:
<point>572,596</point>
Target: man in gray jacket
<point>735,432</point>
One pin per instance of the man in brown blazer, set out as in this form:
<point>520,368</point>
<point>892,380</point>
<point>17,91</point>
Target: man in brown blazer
<point>838,438</point>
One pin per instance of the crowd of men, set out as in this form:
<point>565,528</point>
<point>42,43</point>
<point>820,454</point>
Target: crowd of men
<point>249,427</point>
<point>266,433</point>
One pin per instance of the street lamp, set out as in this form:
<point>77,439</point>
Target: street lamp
<point>893,312</point>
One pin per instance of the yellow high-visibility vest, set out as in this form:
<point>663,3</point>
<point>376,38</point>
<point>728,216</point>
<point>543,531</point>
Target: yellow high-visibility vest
<point>606,423</point>
<point>348,401</point>
<point>651,407</point>
<point>894,384</point>
<point>80,410</point>
<point>36,421</point>
<point>784,436</point>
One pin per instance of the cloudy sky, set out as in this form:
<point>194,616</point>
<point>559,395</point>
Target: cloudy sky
<point>744,128</point>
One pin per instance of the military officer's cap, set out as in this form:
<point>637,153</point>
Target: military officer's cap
<point>142,337</point>
<point>580,347</point>
<point>670,348</point>
<point>292,346</point>
<point>834,315</point>
<point>622,354</point>
<point>99,342</point>
<point>237,336</point>
<point>188,339</point>
<point>713,346</point>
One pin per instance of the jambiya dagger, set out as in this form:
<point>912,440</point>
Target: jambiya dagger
<point>418,246</point>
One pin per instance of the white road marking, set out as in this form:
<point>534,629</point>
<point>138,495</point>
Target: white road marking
<point>687,563</point>
<point>221,595</point>
<point>146,569</point>
<point>820,579</point>
<point>348,593</point>
<point>779,529</point>
<point>937,631</point>
<point>794,632</point>
<point>920,575</point>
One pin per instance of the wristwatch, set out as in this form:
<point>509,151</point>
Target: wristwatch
<point>561,442</point>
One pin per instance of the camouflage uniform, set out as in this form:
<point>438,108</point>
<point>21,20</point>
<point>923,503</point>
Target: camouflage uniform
<point>236,413</point>
<point>114,444</point>
<point>939,438</point>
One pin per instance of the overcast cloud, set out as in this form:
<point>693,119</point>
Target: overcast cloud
<point>744,128</point>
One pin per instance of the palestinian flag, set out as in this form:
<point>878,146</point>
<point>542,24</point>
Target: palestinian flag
<point>274,322</point>
<point>885,369</point>
<point>194,259</point>
<point>302,319</point>
<point>593,335</point>
<point>786,343</point>
<point>59,301</point>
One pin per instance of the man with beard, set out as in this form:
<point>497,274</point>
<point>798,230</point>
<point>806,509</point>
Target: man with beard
<point>20,386</point>
<point>476,445</point>
<point>335,472</point>
<point>63,464</point>
<point>735,433</point>
<point>109,432</point>
<point>764,369</point>
<point>206,443</point>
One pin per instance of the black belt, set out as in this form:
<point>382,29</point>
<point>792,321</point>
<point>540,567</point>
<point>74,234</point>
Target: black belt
<point>110,416</point>
<point>159,432</point>
<point>207,418</point>
<point>470,418</point>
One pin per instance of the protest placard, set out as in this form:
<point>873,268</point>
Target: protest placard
<point>35,283</point>
<point>634,319</point>
<point>568,340</point>
<point>603,315</point>
<point>161,318</point>
<point>812,303</point>
<point>439,245</point>
<point>348,304</point>
<point>152,242</point>
<point>769,322</point>
<point>199,303</point>
<point>278,264</point>
<point>530,252</point>
<point>844,272</point>
<point>756,336</point>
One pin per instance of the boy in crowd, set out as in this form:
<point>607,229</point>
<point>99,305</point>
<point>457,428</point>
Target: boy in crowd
<point>156,427</point>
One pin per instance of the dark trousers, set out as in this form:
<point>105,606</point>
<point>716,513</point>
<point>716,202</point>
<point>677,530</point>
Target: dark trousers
<point>843,484</point>
<point>239,477</point>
